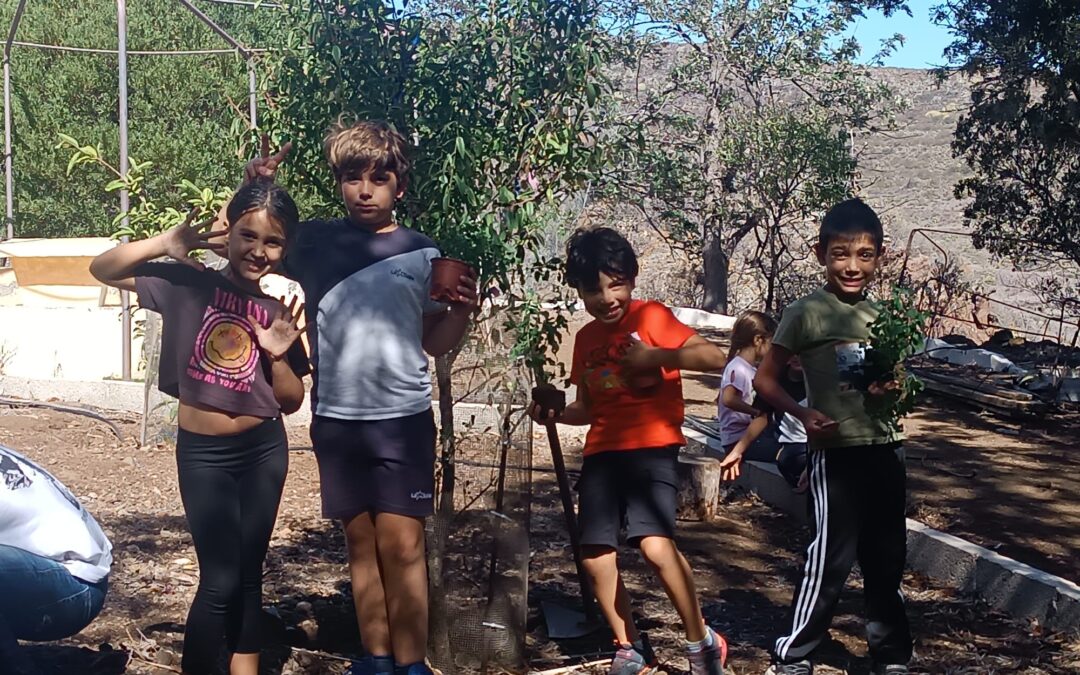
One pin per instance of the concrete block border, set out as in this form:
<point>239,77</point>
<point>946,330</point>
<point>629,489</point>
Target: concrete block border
<point>1005,584</point>
<point>100,394</point>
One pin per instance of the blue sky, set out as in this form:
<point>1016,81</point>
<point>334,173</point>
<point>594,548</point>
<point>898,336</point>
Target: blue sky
<point>924,42</point>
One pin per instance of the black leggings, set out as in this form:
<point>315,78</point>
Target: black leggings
<point>231,488</point>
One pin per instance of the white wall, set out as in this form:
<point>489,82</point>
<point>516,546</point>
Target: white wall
<point>66,343</point>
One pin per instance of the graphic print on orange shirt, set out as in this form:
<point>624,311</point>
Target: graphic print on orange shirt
<point>226,353</point>
<point>603,371</point>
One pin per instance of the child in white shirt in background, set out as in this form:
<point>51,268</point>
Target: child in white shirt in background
<point>750,341</point>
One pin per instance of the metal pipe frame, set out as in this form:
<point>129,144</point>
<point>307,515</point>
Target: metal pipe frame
<point>1073,324</point>
<point>122,53</point>
<point>9,177</point>
<point>248,55</point>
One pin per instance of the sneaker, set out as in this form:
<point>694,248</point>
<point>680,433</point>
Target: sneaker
<point>633,659</point>
<point>889,669</point>
<point>712,659</point>
<point>369,665</point>
<point>803,667</point>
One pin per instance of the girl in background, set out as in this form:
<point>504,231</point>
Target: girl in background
<point>750,341</point>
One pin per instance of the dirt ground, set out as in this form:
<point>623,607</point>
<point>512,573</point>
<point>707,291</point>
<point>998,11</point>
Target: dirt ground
<point>746,561</point>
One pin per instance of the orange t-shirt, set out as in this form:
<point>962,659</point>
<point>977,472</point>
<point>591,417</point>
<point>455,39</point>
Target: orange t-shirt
<point>625,417</point>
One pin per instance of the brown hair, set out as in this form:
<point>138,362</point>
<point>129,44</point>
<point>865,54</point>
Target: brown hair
<point>749,326</point>
<point>367,144</point>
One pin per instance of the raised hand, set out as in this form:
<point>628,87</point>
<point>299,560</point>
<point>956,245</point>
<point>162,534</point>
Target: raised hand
<point>181,240</point>
<point>265,166</point>
<point>276,339</point>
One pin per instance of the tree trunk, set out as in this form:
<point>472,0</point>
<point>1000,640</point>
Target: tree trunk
<point>439,617</point>
<point>717,263</point>
<point>699,488</point>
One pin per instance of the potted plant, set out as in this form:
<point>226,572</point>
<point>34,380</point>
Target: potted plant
<point>467,249</point>
<point>895,335</point>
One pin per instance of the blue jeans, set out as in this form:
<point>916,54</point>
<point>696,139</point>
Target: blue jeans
<point>40,601</point>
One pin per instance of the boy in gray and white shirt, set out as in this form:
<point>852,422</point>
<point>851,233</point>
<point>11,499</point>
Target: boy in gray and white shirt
<point>371,323</point>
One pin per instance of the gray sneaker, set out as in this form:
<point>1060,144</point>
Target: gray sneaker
<point>889,669</point>
<point>803,667</point>
<point>634,660</point>
<point>712,659</point>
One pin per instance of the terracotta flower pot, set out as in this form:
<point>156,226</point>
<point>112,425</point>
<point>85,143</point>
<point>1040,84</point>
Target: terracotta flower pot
<point>446,276</point>
<point>550,400</point>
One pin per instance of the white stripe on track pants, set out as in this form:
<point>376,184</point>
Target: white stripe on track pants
<point>857,497</point>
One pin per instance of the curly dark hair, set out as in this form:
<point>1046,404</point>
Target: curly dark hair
<point>592,251</point>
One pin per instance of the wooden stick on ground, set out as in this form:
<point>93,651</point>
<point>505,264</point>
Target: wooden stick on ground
<point>563,670</point>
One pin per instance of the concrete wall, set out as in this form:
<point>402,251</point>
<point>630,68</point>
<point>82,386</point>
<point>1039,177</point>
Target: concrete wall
<point>67,343</point>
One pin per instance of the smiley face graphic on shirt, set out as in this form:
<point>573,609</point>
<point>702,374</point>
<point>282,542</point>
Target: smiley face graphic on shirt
<point>226,352</point>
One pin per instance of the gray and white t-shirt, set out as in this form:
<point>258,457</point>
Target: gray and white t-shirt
<point>366,297</point>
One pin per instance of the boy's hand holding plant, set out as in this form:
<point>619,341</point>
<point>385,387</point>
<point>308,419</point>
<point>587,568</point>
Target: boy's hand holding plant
<point>895,335</point>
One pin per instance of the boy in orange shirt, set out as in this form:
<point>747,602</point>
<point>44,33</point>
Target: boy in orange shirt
<point>626,368</point>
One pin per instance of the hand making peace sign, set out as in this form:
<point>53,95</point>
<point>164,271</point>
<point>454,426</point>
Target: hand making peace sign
<point>265,166</point>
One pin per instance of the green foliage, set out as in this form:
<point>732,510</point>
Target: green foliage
<point>182,108</point>
<point>501,100</point>
<point>895,335</point>
<point>538,322</point>
<point>145,216</point>
<point>1021,136</point>
<point>745,132</point>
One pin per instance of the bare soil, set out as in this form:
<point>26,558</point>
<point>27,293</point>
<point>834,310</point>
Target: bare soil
<point>746,562</point>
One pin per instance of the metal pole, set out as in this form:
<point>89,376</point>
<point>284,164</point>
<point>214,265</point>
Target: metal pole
<point>125,297</point>
<point>235,44</point>
<point>9,177</point>
<point>222,33</point>
<point>253,85</point>
<point>9,210</point>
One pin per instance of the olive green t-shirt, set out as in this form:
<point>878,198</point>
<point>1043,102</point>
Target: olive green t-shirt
<point>830,337</point>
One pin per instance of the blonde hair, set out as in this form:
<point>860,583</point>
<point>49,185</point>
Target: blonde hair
<point>367,144</point>
<point>749,326</point>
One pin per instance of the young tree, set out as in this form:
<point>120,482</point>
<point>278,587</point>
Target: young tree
<point>1021,136</point>
<point>500,98</point>
<point>745,129</point>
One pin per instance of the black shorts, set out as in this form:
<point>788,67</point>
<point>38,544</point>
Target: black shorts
<point>376,466</point>
<point>632,488</point>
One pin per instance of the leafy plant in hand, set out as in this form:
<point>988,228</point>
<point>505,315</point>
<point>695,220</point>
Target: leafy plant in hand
<point>895,335</point>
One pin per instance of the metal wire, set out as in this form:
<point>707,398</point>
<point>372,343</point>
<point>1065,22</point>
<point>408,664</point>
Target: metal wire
<point>91,50</point>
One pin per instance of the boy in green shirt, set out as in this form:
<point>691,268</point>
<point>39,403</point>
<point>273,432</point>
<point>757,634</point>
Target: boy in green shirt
<point>856,463</point>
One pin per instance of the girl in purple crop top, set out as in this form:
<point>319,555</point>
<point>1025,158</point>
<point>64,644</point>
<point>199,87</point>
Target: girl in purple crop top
<point>230,353</point>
